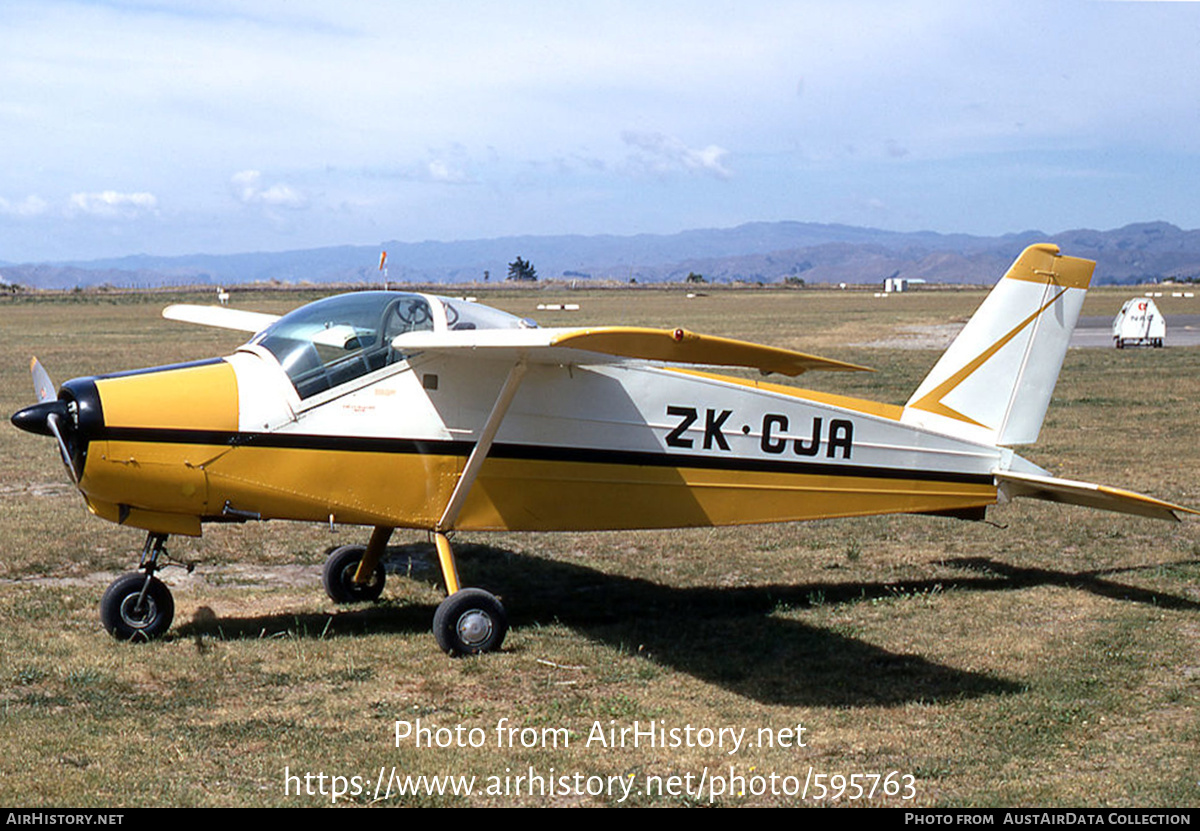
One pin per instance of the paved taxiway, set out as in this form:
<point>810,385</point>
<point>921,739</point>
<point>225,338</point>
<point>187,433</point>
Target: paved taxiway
<point>1182,330</point>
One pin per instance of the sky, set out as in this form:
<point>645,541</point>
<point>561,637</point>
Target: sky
<point>166,128</point>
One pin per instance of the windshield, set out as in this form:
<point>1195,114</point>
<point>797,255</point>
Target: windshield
<point>465,314</point>
<point>341,338</point>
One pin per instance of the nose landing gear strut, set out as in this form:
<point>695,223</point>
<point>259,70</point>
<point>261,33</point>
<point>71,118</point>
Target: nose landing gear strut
<point>137,605</point>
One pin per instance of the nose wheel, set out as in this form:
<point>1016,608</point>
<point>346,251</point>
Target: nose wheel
<point>136,607</point>
<point>139,606</point>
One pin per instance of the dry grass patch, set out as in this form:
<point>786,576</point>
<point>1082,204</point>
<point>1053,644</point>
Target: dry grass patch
<point>1048,659</point>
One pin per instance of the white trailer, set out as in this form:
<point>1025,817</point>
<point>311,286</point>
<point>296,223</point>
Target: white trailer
<point>1139,323</point>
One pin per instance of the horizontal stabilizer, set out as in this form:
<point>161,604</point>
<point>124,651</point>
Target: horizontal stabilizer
<point>220,316</point>
<point>612,343</point>
<point>1085,493</point>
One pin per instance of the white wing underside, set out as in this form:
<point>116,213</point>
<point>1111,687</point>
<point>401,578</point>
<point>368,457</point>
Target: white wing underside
<point>220,317</point>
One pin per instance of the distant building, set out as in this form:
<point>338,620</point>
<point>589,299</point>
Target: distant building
<point>897,284</point>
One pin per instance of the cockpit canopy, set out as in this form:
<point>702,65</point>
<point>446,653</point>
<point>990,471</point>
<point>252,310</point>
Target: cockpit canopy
<point>338,339</point>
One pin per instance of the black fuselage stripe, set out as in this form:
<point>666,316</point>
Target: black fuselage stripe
<point>526,452</point>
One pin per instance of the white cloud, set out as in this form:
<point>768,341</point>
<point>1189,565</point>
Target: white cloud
<point>110,204</point>
<point>441,171</point>
<point>248,188</point>
<point>29,206</point>
<point>282,196</point>
<point>246,185</point>
<point>659,153</point>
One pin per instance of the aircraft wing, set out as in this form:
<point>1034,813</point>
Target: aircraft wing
<point>220,316</point>
<point>1072,492</point>
<point>611,344</point>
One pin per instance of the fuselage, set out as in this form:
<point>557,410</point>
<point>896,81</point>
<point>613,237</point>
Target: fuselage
<point>609,446</point>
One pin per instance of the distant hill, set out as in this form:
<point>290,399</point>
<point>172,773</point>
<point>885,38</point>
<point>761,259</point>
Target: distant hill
<point>756,252</point>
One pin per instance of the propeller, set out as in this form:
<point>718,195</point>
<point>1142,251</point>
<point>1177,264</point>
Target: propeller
<point>51,416</point>
<point>42,384</point>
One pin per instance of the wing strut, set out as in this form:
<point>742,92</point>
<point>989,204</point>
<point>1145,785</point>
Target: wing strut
<point>482,447</point>
<point>470,471</point>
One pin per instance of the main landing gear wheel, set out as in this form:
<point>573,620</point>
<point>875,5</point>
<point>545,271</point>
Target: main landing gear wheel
<point>131,608</point>
<point>338,576</point>
<point>469,622</point>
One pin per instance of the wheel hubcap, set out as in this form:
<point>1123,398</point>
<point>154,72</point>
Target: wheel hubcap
<point>358,588</point>
<point>474,627</point>
<point>135,617</point>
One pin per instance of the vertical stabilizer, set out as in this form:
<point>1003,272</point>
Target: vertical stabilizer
<point>995,381</point>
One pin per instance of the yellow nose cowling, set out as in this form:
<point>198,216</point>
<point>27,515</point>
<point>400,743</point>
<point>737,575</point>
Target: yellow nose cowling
<point>145,466</point>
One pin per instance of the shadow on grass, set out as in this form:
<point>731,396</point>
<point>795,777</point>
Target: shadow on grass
<point>726,636</point>
<point>1002,576</point>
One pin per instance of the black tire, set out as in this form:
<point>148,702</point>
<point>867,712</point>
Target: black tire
<point>1120,343</point>
<point>125,620</point>
<point>470,622</point>
<point>338,576</point>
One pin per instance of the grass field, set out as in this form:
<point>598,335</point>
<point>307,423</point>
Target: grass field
<point>1050,657</point>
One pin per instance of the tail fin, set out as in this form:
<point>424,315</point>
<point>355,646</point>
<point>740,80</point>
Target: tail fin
<point>994,382</point>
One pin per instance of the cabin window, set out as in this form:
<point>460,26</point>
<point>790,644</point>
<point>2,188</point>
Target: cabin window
<point>462,315</point>
<point>335,340</point>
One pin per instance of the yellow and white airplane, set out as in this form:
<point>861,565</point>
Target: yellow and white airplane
<point>398,410</point>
